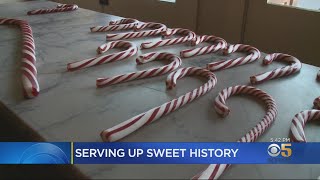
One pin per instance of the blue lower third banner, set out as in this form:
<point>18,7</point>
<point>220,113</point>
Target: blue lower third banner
<point>196,153</point>
<point>35,153</point>
<point>158,153</point>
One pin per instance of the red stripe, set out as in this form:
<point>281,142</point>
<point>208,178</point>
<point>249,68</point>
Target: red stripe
<point>151,118</point>
<point>296,125</point>
<point>126,125</point>
<point>33,83</point>
<point>79,66</point>
<point>213,174</point>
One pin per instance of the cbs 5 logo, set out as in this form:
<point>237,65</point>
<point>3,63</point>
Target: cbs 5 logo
<point>274,150</point>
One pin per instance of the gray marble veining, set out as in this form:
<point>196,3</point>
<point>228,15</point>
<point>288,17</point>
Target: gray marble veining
<point>70,108</point>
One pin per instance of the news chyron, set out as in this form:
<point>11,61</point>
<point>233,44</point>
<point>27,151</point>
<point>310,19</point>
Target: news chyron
<point>274,152</point>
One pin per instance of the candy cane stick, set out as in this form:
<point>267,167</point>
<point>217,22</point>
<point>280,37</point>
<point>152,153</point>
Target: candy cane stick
<point>60,8</point>
<point>125,128</point>
<point>221,44</point>
<point>28,66</point>
<point>253,55</point>
<point>215,170</point>
<point>284,71</point>
<point>122,21</point>
<point>157,29</point>
<point>316,103</point>
<point>130,51</point>
<point>175,64</point>
<point>298,123</point>
<point>123,24</point>
<point>186,33</point>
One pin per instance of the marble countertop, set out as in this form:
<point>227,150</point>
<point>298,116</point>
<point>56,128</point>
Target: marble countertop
<point>71,108</point>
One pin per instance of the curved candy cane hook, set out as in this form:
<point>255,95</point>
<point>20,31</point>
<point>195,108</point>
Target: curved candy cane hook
<point>221,44</point>
<point>125,128</point>
<point>175,64</point>
<point>253,55</point>
<point>130,51</point>
<point>284,71</point>
<point>316,103</point>
<point>122,24</point>
<point>298,123</point>
<point>215,170</point>
<point>60,8</point>
<point>29,71</point>
<point>157,29</point>
<point>186,34</point>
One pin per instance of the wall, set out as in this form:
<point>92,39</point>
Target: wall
<point>183,13</point>
<point>221,18</point>
<point>273,28</point>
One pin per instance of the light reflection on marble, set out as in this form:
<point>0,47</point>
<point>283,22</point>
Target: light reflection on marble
<point>70,108</point>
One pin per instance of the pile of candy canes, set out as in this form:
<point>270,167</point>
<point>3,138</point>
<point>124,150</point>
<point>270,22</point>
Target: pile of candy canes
<point>129,49</point>
<point>127,127</point>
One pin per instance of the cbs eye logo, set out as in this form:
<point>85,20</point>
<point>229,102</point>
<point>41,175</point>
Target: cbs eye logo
<point>44,153</point>
<point>274,150</point>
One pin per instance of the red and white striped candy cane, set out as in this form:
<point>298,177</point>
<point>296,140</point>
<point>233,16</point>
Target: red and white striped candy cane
<point>316,103</point>
<point>130,51</point>
<point>175,64</point>
<point>60,8</point>
<point>188,36</point>
<point>298,123</point>
<point>221,44</point>
<point>125,128</point>
<point>157,29</point>
<point>123,21</point>
<point>214,171</point>
<point>284,71</point>
<point>28,66</point>
<point>123,24</point>
<point>253,55</point>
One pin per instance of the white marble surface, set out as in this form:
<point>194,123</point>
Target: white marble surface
<point>70,108</point>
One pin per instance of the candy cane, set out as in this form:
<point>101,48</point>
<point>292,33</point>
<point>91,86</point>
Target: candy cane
<point>175,64</point>
<point>131,50</point>
<point>284,71</point>
<point>186,33</point>
<point>60,8</point>
<point>316,103</point>
<point>123,24</point>
<point>157,29</point>
<point>215,170</point>
<point>253,55</point>
<point>29,71</point>
<point>298,123</point>
<point>221,44</point>
<point>124,129</point>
